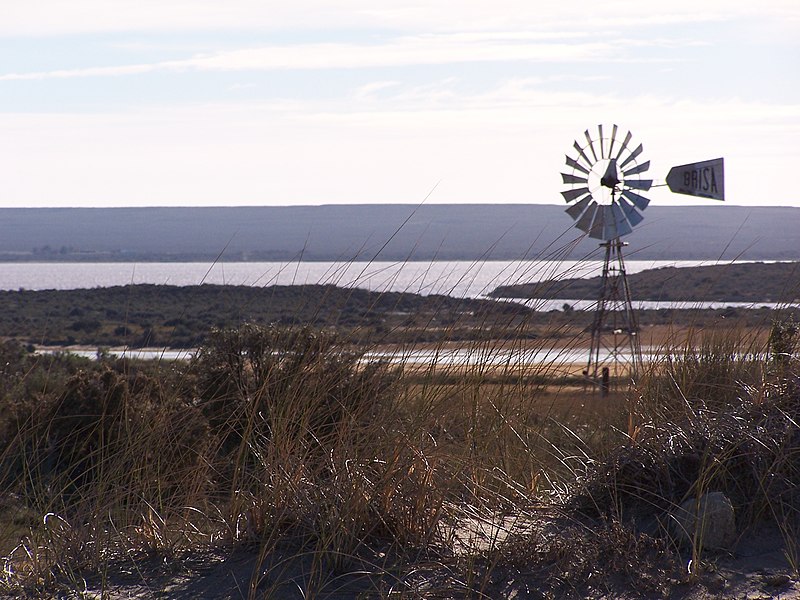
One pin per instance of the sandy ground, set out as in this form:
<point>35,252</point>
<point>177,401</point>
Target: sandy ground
<point>556,357</point>
<point>655,336</point>
<point>755,569</point>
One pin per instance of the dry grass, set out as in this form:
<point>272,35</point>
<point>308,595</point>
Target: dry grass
<point>283,442</point>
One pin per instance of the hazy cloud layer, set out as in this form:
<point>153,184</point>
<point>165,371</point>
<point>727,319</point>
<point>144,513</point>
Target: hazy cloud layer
<point>54,17</point>
<point>248,102</point>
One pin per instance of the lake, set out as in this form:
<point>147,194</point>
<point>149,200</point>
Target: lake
<point>467,355</point>
<point>453,278</point>
<point>461,279</point>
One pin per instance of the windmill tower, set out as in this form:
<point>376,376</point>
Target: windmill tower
<point>604,193</point>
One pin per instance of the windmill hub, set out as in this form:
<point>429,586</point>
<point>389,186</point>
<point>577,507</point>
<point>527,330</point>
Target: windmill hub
<point>610,178</point>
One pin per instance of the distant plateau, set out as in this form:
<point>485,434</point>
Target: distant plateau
<point>385,232</point>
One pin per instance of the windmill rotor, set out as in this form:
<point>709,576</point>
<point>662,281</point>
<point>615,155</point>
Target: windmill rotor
<point>604,183</point>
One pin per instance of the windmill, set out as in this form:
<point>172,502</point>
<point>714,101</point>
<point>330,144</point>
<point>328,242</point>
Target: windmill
<point>605,195</point>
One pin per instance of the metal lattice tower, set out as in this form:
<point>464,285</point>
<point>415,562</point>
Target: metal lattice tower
<point>615,348</point>
<point>604,194</point>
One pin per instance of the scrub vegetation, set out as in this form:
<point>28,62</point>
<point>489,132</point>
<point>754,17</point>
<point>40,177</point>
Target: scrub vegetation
<point>181,317</point>
<point>283,462</point>
<point>745,282</point>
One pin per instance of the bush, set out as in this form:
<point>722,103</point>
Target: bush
<point>88,326</point>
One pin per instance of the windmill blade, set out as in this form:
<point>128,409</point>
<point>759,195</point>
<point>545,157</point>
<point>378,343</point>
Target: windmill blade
<point>583,156</point>
<point>621,223</point>
<point>576,165</point>
<point>613,139</point>
<point>577,209</point>
<point>624,144</point>
<point>632,156</point>
<point>631,213</point>
<point>600,131</point>
<point>640,184</point>
<point>585,222</point>
<point>573,178</point>
<point>609,224</point>
<point>571,195</point>
<point>591,145</point>
<point>596,230</point>
<point>637,169</point>
<point>639,202</point>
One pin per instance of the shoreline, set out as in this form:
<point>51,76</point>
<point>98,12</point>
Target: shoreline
<point>562,353</point>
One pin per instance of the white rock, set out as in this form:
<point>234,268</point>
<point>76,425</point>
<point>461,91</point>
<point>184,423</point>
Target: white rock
<point>708,522</point>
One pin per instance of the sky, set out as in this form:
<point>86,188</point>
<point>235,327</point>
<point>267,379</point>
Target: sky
<point>255,102</point>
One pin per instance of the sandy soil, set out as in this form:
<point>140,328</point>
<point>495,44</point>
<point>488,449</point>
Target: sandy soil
<point>655,336</point>
<point>756,569</point>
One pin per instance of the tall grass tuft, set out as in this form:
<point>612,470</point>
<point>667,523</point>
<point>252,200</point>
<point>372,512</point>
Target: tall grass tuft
<point>449,479</point>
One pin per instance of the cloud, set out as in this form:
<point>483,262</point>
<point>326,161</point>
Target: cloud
<point>370,91</point>
<point>396,52</point>
<point>56,17</point>
<point>497,133</point>
<point>506,145</point>
<point>85,72</point>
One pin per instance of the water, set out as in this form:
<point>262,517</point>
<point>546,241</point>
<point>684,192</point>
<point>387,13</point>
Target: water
<point>455,278</point>
<point>498,357</point>
<point>465,279</point>
<point>468,355</point>
<point>163,354</point>
<point>544,305</point>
